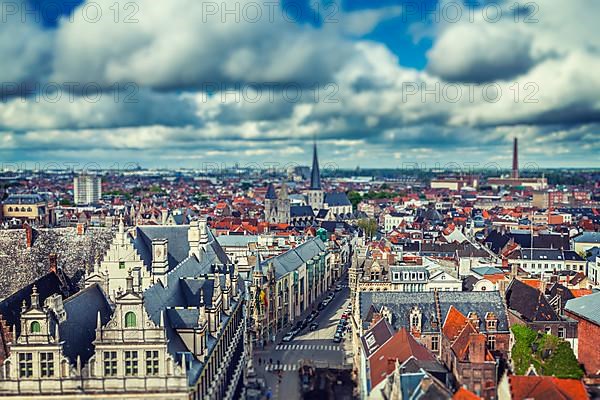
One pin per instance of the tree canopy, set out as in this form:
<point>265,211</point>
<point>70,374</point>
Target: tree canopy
<point>550,355</point>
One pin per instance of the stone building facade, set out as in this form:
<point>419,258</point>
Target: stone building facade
<point>287,285</point>
<point>180,334</point>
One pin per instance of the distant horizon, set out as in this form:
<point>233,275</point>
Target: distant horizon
<point>378,83</point>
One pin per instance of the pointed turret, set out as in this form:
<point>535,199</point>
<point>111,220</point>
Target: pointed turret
<point>271,195</point>
<point>315,174</point>
<point>201,310</point>
<point>129,281</point>
<point>283,192</point>
<point>35,298</point>
<point>258,268</point>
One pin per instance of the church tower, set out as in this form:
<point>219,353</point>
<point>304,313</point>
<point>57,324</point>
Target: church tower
<point>277,206</point>
<point>315,193</point>
<point>270,204</point>
<point>283,205</point>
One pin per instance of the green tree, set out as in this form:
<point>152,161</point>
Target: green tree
<point>550,355</point>
<point>355,198</point>
<point>369,226</point>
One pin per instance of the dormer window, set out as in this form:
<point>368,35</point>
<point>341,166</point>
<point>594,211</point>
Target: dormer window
<point>415,321</point>
<point>35,327</point>
<point>130,320</point>
<point>491,325</point>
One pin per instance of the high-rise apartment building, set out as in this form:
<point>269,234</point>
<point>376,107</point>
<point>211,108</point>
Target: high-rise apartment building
<point>87,189</point>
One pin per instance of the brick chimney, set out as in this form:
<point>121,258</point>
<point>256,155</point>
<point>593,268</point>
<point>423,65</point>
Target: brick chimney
<point>53,262</point>
<point>28,234</point>
<point>477,348</point>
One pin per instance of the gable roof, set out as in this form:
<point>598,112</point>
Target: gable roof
<point>376,336</point>
<point>546,387</point>
<point>292,259</point>
<point>48,285</point>
<point>529,302</point>
<point>335,199</point>
<point>400,347</point>
<point>454,323</point>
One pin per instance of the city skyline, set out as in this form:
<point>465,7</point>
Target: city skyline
<point>380,86</point>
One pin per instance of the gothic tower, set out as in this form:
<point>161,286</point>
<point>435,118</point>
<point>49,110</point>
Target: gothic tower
<point>315,193</point>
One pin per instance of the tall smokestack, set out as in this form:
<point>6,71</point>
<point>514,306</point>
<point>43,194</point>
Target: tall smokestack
<point>515,166</point>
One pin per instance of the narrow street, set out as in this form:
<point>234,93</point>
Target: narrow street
<point>316,346</point>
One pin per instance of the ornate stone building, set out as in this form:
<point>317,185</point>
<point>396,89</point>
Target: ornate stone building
<point>277,205</point>
<point>171,332</point>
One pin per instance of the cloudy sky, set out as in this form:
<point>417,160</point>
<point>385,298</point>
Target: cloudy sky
<point>379,83</point>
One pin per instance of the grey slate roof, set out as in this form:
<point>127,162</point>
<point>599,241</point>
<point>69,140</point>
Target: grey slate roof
<point>529,302</point>
<point>337,199</point>
<point>588,237</point>
<point>79,329</point>
<point>587,307</point>
<point>184,282</point>
<point>292,259</point>
<point>236,240</point>
<point>24,199</point>
<point>47,285</point>
<point>301,211</point>
<point>401,303</point>
<point>178,247</point>
<point>486,270</point>
<point>478,302</point>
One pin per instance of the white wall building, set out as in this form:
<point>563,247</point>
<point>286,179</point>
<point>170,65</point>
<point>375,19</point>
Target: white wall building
<point>87,189</point>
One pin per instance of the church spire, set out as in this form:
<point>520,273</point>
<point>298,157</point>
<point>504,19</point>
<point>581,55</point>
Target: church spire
<point>315,175</point>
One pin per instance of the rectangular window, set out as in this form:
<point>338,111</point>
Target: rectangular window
<point>491,342</point>
<point>434,343</point>
<point>121,264</point>
<point>47,364</point>
<point>152,362</point>
<point>561,332</point>
<point>110,363</point>
<point>131,363</point>
<point>25,365</point>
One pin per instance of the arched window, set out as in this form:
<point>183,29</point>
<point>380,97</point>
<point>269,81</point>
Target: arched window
<point>130,320</point>
<point>36,327</point>
<point>10,209</point>
<point>415,320</point>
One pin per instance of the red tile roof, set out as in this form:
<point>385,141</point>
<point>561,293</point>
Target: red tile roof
<point>546,387</point>
<point>581,292</point>
<point>464,394</point>
<point>454,323</point>
<point>400,347</point>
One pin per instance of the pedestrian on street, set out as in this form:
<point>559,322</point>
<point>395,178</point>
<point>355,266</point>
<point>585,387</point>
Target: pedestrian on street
<point>270,361</point>
<point>259,361</point>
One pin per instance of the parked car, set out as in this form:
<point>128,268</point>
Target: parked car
<point>325,302</point>
<point>344,316</point>
<point>321,306</point>
<point>338,288</point>
<point>313,326</point>
<point>337,338</point>
<point>288,337</point>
